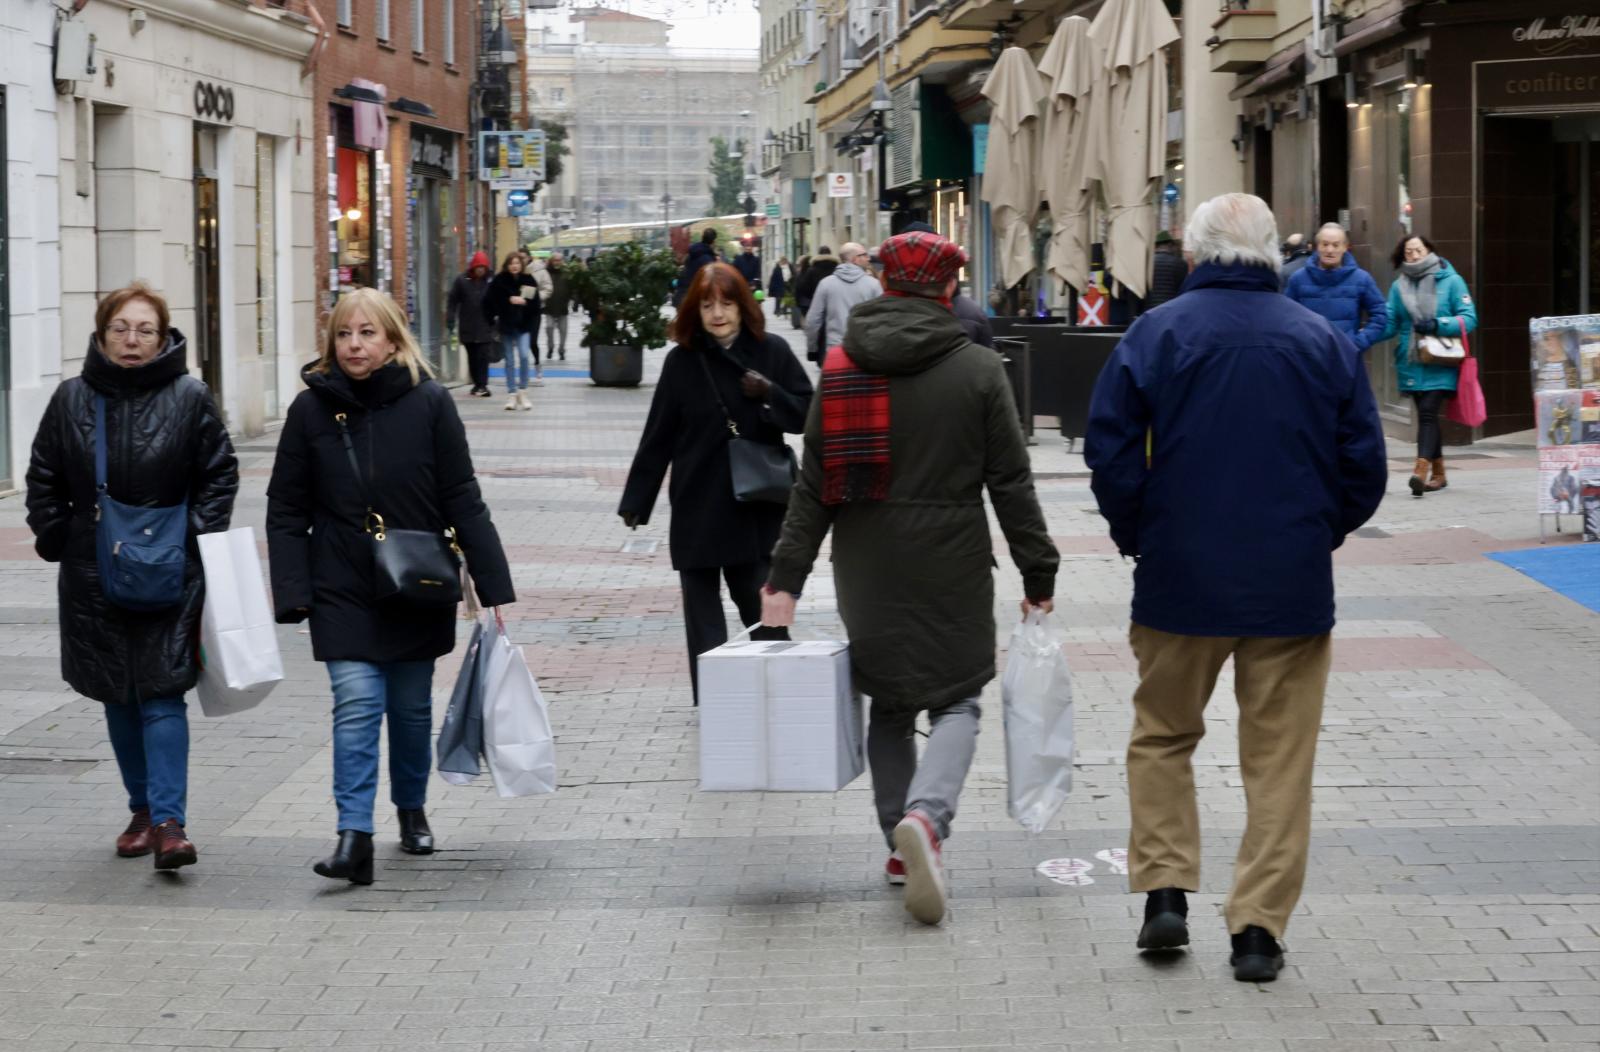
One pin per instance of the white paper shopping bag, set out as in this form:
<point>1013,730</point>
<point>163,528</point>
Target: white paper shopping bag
<point>517,741</point>
<point>239,661</point>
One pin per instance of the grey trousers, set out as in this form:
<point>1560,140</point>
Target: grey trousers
<point>900,783</point>
<point>555,335</point>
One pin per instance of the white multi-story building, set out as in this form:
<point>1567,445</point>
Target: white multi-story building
<point>791,43</point>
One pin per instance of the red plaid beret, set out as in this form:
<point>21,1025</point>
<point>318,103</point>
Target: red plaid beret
<point>920,263</point>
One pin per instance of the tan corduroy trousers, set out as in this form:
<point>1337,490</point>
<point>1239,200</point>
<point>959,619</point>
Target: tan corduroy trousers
<point>1279,683</point>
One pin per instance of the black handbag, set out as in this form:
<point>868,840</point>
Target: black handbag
<point>416,566</point>
<point>762,473</point>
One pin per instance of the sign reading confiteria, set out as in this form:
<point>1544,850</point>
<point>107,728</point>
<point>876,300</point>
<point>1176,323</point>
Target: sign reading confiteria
<point>1535,83</point>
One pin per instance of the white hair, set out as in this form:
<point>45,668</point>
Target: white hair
<point>850,250</point>
<point>1233,229</point>
<point>1335,228</point>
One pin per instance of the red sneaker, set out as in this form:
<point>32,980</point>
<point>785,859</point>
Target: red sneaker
<point>918,845</point>
<point>894,870</point>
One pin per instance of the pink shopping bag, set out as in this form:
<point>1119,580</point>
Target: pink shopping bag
<point>1468,406</point>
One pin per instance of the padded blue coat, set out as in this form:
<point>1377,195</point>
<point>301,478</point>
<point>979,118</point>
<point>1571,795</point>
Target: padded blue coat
<point>1342,295</point>
<point>1265,451</point>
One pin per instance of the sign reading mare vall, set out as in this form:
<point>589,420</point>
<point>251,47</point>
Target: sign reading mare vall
<point>1556,35</point>
<point>1540,83</point>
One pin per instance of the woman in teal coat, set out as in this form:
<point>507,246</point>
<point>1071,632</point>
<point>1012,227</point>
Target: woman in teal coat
<point>1428,298</point>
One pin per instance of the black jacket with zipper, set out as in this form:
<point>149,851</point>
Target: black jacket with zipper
<point>508,317</point>
<point>412,449</point>
<point>165,443</point>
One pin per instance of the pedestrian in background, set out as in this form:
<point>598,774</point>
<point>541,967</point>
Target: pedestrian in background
<point>700,253</point>
<point>782,277</point>
<point>797,314</point>
<point>373,435</point>
<point>973,318</point>
<point>516,316</point>
<point>1296,255</point>
<point>557,303</point>
<point>748,264</point>
<point>818,267</point>
<point>1203,405</point>
<point>1168,271</point>
<point>464,306</point>
<point>914,423</point>
<point>1340,291</point>
<point>725,367</point>
<point>165,446</point>
<point>835,296</point>
<point>1428,298</point>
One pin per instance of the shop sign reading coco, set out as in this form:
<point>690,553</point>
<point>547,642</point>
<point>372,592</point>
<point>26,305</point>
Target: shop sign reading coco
<point>1556,35</point>
<point>214,101</point>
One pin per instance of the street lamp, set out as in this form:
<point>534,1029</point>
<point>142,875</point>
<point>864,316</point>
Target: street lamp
<point>599,210</point>
<point>666,219</point>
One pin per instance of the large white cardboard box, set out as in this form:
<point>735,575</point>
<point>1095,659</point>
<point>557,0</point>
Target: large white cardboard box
<point>779,715</point>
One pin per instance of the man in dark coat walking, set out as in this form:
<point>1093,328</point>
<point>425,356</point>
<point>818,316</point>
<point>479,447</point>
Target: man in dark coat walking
<point>748,264</point>
<point>464,305</point>
<point>1235,444</point>
<point>1167,271</point>
<point>700,253</point>
<point>913,424</point>
<point>822,265</point>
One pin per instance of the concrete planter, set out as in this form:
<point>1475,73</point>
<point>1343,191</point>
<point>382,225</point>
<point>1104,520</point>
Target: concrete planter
<point>616,366</point>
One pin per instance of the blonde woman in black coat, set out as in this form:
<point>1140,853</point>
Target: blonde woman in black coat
<point>371,386</point>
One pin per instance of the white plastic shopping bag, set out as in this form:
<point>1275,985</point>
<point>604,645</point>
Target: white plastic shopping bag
<point>1037,695</point>
<point>517,741</point>
<point>239,661</point>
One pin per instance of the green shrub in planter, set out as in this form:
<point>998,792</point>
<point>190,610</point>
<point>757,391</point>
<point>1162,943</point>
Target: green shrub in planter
<point>624,289</point>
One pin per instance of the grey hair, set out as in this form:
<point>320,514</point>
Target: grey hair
<point>1233,229</point>
<point>850,250</point>
<point>1334,226</point>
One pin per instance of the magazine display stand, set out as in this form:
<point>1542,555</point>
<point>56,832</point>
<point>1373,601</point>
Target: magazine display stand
<point>1565,361</point>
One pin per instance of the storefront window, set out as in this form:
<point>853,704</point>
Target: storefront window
<point>267,273</point>
<point>353,224</point>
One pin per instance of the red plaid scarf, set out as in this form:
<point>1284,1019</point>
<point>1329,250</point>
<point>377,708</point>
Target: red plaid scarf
<point>855,431</point>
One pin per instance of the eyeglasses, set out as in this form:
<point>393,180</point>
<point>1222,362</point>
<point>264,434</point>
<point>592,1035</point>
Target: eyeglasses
<point>120,330</point>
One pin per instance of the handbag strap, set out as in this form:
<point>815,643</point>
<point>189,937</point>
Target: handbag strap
<point>355,465</point>
<point>100,444</point>
<point>732,427</point>
<point>1461,327</point>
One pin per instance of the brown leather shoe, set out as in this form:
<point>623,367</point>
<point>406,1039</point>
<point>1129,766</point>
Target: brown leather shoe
<point>1419,477</point>
<point>136,840</point>
<point>1438,481</point>
<point>173,848</point>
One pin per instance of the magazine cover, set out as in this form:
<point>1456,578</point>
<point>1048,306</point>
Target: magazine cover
<point>1589,490</point>
<point>1589,418</point>
<point>1555,343</point>
<point>1560,485</point>
<point>1558,417</point>
<point>1589,358</point>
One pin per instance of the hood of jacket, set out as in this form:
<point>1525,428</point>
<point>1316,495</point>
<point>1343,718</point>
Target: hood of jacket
<point>109,378</point>
<point>830,260</point>
<point>849,273</point>
<point>393,380</point>
<point>1346,270</point>
<point>480,259</point>
<point>700,250</point>
<point>902,335</point>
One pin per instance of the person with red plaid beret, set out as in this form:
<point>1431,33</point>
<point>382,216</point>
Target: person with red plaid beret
<point>914,423</point>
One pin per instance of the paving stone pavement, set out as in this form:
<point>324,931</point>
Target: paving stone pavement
<point>1453,899</point>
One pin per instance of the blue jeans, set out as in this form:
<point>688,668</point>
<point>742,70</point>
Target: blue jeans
<point>519,360</point>
<point>362,693</point>
<point>151,743</point>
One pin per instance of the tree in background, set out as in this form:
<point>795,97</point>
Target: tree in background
<point>555,148</point>
<point>727,176</point>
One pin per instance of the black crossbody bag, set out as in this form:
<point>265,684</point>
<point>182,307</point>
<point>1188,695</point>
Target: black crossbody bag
<point>417,566</point>
<point>762,473</point>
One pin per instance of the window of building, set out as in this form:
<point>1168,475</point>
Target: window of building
<point>419,22</point>
<point>344,14</point>
<point>382,27</point>
<point>449,32</point>
<point>558,94</point>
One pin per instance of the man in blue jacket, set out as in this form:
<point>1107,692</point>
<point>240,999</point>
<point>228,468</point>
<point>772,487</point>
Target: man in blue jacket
<point>1234,443</point>
<point>1339,290</point>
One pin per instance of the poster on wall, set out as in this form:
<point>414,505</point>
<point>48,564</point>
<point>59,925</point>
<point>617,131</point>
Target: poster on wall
<point>1564,360</point>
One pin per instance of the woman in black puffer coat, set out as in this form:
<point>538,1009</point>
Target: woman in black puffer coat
<point>165,445</point>
<point>416,472</point>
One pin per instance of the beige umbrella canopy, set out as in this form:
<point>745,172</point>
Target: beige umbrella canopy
<point>1010,173</point>
<point>1068,70</point>
<point>1129,124</point>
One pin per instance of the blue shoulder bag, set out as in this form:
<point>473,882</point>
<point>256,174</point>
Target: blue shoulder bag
<point>140,551</point>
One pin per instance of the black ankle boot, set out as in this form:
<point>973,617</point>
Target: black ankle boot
<point>415,836</point>
<point>351,860</point>
<point>1166,920</point>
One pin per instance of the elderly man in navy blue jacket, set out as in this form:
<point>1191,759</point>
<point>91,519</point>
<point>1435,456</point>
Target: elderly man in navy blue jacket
<point>1334,287</point>
<point>1235,443</point>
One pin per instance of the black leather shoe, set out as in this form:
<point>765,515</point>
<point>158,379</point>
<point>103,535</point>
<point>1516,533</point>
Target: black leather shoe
<point>415,836</point>
<point>1257,957</point>
<point>1166,920</point>
<point>351,860</point>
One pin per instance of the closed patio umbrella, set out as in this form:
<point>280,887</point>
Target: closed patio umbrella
<point>1130,122</point>
<point>1010,173</point>
<point>1068,70</point>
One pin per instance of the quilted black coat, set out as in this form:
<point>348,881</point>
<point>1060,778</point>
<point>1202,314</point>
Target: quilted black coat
<point>416,467</point>
<point>165,442</point>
